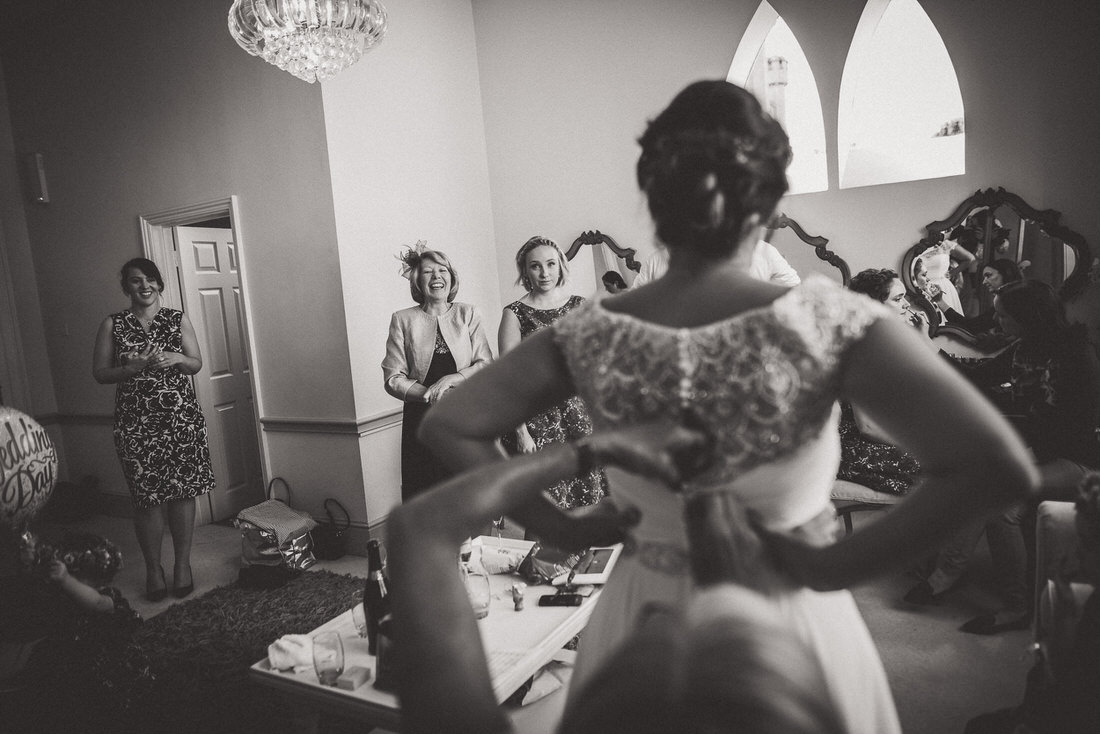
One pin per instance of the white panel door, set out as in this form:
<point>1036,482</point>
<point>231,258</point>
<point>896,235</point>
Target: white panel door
<point>212,299</point>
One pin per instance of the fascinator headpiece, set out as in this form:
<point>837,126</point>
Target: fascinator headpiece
<point>410,258</point>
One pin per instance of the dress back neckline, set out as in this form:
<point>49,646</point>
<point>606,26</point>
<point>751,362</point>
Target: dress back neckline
<point>716,324</point>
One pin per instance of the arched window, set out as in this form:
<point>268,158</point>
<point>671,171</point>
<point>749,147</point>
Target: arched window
<point>770,63</point>
<point>901,110</point>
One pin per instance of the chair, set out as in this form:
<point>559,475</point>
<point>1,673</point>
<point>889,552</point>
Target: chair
<point>849,497</point>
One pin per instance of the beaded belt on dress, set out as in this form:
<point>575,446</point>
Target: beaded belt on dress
<point>672,558</point>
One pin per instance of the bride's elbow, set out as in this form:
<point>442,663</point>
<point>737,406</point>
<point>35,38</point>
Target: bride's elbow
<point>1011,476</point>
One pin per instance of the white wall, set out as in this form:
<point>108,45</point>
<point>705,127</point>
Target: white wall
<point>569,85</point>
<point>406,146</point>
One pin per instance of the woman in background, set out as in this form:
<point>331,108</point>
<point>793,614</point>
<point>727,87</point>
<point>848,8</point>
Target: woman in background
<point>613,282</point>
<point>543,272</point>
<point>937,260</point>
<point>995,275</point>
<point>1048,383</point>
<point>867,457</point>
<point>432,348</point>
<point>883,285</point>
<point>149,352</point>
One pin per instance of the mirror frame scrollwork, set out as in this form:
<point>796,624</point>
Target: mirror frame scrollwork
<point>781,220</point>
<point>596,237</point>
<point>1049,223</point>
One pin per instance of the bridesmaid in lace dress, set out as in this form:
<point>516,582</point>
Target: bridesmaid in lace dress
<point>760,368</point>
<point>543,273</point>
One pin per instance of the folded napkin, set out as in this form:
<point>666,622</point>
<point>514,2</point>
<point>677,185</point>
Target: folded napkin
<point>500,560</point>
<point>291,651</point>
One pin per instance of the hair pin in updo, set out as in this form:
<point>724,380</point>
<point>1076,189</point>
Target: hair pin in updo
<point>410,258</point>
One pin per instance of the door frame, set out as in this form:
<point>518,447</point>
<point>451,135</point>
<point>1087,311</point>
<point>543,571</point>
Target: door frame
<point>160,246</point>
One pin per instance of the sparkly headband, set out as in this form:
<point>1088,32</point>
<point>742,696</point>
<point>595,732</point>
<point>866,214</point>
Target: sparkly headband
<point>410,258</point>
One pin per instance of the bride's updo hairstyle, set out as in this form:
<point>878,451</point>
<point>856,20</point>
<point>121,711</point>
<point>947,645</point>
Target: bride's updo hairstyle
<point>711,160</point>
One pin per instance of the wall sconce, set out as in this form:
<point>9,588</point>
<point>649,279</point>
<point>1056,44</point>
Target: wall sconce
<point>36,178</point>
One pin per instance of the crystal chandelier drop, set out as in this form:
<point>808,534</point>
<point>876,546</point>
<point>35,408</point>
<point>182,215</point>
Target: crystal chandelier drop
<point>311,39</point>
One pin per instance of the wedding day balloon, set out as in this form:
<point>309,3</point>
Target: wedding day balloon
<point>28,467</point>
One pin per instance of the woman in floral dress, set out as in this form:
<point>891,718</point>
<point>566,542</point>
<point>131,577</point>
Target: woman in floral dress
<point>149,352</point>
<point>543,273</point>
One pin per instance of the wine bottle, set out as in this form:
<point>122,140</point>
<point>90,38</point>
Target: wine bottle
<point>376,600</point>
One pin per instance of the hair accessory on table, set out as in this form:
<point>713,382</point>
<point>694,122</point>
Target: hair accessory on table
<point>410,258</point>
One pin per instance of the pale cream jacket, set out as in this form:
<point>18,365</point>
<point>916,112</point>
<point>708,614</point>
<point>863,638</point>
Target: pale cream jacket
<point>411,344</point>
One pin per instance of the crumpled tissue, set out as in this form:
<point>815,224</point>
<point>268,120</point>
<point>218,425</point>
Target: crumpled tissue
<point>291,652</point>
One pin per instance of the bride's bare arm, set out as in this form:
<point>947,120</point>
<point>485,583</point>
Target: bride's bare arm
<point>972,461</point>
<point>530,378</point>
<point>463,429</point>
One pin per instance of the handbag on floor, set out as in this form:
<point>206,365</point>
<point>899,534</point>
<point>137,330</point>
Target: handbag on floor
<point>274,534</point>
<point>329,541</point>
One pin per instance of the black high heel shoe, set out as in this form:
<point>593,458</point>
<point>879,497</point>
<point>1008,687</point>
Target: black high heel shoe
<point>157,594</point>
<point>989,624</point>
<point>181,591</point>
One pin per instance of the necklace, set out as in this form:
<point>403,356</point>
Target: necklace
<point>146,320</point>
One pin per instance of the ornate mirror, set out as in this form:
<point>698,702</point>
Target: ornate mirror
<point>605,256</point>
<point>782,231</point>
<point>992,237</point>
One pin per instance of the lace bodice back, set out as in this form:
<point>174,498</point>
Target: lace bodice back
<point>764,381</point>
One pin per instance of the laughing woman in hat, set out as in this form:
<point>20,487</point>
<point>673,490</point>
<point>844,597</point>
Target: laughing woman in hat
<point>432,348</point>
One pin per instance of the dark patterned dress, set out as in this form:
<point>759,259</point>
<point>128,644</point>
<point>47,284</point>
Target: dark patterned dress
<point>420,469</point>
<point>160,433</point>
<point>565,422</point>
<point>863,460</point>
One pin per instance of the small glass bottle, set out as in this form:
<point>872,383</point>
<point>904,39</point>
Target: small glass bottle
<point>376,600</point>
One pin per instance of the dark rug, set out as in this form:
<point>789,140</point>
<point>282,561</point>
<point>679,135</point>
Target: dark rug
<point>186,670</point>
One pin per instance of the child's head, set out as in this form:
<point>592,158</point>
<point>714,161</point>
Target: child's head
<point>727,663</point>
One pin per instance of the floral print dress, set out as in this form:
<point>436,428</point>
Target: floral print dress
<point>565,422</point>
<point>160,432</point>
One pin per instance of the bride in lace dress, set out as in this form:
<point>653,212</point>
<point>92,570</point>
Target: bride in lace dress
<point>760,367</point>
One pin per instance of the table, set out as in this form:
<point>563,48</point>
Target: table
<point>517,645</point>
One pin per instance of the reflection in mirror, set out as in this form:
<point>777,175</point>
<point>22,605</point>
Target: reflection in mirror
<point>609,261</point>
<point>791,240</point>
<point>991,239</point>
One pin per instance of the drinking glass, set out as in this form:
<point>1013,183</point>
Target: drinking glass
<point>328,657</point>
<point>477,587</point>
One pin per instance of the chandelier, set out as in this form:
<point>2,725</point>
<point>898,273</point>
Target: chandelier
<point>311,39</point>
